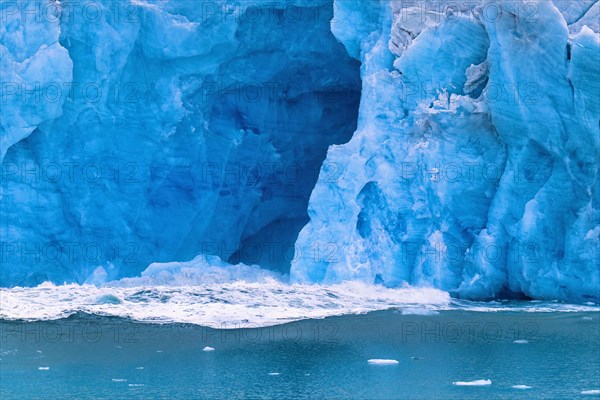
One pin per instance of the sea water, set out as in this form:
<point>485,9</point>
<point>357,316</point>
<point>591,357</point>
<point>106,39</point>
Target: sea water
<point>467,351</point>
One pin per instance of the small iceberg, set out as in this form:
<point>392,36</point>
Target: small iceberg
<point>593,391</point>
<point>108,299</point>
<point>479,382</point>
<point>43,368</point>
<point>522,387</point>
<point>521,341</point>
<point>378,361</point>
<point>208,348</point>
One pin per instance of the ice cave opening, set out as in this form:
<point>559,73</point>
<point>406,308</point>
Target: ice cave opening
<point>186,130</point>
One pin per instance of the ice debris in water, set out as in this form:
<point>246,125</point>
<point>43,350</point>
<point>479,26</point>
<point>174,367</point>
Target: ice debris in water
<point>379,361</point>
<point>479,382</point>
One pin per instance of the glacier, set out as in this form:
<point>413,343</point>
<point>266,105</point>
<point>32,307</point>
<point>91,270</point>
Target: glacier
<point>440,144</point>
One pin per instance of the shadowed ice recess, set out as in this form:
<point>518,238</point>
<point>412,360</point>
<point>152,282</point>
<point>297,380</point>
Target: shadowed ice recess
<point>431,151</point>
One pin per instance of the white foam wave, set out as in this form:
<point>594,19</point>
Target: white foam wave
<point>221,305</point>
<point>207,291</point>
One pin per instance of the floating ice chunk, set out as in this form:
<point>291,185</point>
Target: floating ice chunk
<point>208,348</point>
<point>478,382</point>
<point>43,368</point>
<point>108,299</point>
<point>379,361</point>
<point>417,311</point>
<point>521,341</point>
<point>593,391</point>
<point>521,387</point>
<point>274,373</point>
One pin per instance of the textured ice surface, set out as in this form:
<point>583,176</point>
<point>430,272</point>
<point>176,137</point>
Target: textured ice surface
<point>474,168</point>
<point>30,53</point>
<point>578,13</point>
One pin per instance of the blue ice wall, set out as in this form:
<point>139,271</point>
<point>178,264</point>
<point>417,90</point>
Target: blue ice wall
<point>136,132</point>
<point>475,165</point>
<point>153,131</point>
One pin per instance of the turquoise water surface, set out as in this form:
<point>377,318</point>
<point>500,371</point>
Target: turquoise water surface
<point>556,354</point>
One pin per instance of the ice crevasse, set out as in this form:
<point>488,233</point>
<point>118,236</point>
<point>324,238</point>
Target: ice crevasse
<point>473,166</point>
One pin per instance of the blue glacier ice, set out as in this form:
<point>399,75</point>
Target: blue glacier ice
<point>442,144</point>
<point>137,132</point>
<point>474,167</point>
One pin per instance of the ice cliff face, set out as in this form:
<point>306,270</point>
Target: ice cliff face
<point>30,53</point>
<point>141,131</point>
<point>475,164</point>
